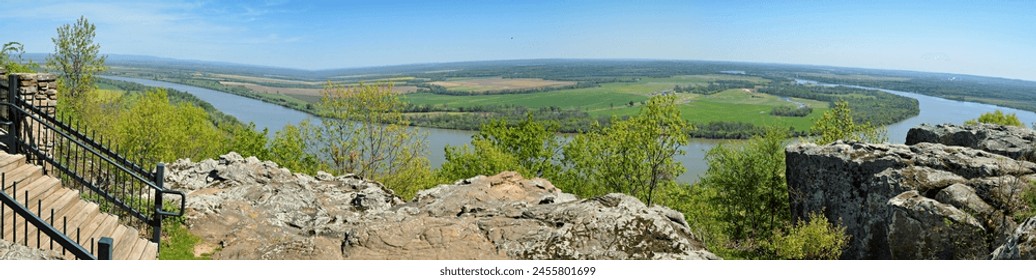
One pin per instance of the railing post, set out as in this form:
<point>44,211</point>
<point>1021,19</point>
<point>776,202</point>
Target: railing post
<point>12,114</point>
<point>104,248</point>
<point>156,224</point>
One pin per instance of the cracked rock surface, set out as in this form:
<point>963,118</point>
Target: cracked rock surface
<point>1010,141</point>
<point>925,201</point>
<point>13,251</point>
<point>250,209</point>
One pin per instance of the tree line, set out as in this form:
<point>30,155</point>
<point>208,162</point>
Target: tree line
<point>788,111</point>
<point>713,87</point>
<point>438,89</point>
<point>874,106</point>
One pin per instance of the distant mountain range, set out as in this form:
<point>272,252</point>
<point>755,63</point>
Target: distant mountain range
<point>316,75</point>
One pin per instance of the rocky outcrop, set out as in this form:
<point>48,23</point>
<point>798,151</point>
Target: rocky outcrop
<point>1020,245</point>
<point>1010,141</point>
<point>926,201</point>
<point>249,209</point>
<point>12,251</point>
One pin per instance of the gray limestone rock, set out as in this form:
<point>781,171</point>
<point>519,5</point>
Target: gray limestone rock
<point>923,228</point>
<point>856,183</point>
<point>1010,141</point>
<point>12,251</point>
<point>252,209</point>
<point>1020,245</point>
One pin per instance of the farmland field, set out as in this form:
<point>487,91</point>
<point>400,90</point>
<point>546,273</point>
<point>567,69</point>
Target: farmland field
<point>307,94</point>
<point>585,98</point>
<point>623,99</point>
<point>497,84</point>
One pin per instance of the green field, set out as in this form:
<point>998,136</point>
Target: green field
<point>586,98</point>
<point>606,97</point>
<point>735,105</point>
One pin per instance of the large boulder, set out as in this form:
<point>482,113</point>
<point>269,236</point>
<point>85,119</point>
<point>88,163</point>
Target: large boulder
<point>249,209</point>
<point>917,202</point>
<point>923,228</point>
<point>1011,141</point>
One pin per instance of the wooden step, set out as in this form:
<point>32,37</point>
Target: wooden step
<point>133,245</point>
<point>138,250</point>
<point>66,200</point>
<point>77,205</point>
<point>67,212</point>
<point>86,226</point>
<point>38,188</point>
<point>16,175</point>
<point>53,195</point>
<point>46,200</point>
<point>15,227</point>
<point>20,178</point>
<point>119,243</point>
<point>68,205</point>
<point>9,162</point>
<point>150,252</point>
<point>80,219</point>
<point>43,191</point>
<point>104,229</point>
<point>14,222</point>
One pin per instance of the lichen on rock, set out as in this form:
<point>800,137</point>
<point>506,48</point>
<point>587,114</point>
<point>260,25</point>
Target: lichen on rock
<point>255,210</point>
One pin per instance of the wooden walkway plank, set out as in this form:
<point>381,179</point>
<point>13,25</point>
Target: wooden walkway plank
<point>15,175</point>
<point>9,162</point>
<point>119,243</point>
<point>68,206</point>
<point>150,252</point>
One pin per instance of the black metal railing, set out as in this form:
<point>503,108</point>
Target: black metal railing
<point>41,224</point>
<point>117,184</point>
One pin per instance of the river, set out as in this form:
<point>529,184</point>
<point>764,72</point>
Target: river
<point>935,110</point>
<point>274,117</point>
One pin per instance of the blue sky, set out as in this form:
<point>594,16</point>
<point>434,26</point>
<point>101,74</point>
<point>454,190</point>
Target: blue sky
<point>991,38</point>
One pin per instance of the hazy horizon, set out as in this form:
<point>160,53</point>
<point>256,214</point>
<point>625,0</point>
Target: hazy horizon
<point>961,37</point>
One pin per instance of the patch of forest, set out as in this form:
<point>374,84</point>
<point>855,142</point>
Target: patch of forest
<point>874,106</point>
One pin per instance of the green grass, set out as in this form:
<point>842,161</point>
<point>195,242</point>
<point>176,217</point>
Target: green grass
<point>604,97</point>
<point>615,94</point>
<point>735,106</point>
<point>179,243</point>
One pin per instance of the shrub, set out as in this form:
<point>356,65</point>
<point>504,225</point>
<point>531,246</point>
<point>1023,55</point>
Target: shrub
<point>815,239</point>
<point>997,117</point>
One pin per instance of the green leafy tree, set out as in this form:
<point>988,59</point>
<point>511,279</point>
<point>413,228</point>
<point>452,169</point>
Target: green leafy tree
<point>10,57</point>
<point>154,130</point>
<point>749,187</point>
<point>76,58</point>
<point>529,147</point>
<point>838,124</point>
<point>247,141</point>
<point>702,214</point>
<point>288,149</point>
<point>365,133</point>
<point>633,156</point>
<point>997,117</point>
<point>480,158</point>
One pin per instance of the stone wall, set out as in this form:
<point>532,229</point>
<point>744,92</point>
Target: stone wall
<point>40,90</point>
